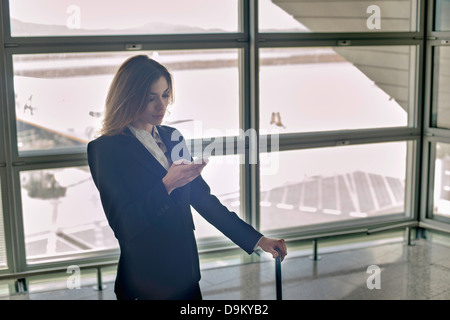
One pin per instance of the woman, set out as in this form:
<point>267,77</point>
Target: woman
<point>147,188</point>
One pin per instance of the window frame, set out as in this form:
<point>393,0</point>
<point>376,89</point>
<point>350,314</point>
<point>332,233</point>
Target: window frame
<point>431,133</point>
<point>413,120</point>
<point>431,124</point>
<point>411,192</point>
<point>59,260</point>
<point>420,26</point>
<point>248,41</point>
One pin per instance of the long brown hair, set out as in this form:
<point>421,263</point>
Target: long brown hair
<point>128,93</point>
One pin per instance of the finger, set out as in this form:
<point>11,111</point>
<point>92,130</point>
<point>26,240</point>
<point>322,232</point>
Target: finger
<point>285,249</point>
<point>194,173</point>
<point>283,255</point>
<point>276,252</point>
<point>190,170</point>
<point>198,169</point>
<point>282,247</point>
<point>196,166</point>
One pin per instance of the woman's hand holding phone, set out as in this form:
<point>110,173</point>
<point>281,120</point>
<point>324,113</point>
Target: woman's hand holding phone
<point>182,172</point>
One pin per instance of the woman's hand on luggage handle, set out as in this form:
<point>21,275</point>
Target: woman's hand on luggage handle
<point>270,245</point>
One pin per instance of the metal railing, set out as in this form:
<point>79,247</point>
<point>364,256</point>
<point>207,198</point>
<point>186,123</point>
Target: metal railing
<point>21,284</point>
<point>20,277</point>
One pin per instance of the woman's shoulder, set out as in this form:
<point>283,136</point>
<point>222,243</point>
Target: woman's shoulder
<point>105,141</point>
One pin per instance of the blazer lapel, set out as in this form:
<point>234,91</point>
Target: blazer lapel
<point>174,141</point>
<point>136,149</point>
<point>174,145</point>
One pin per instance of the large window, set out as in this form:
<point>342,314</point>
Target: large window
<point>436,209</point>
<point>30,18</point>
<point>325,185</point>
<point>337,16</point>
<point>59,98</point>
<point>441,201</point>
<point>337,86</point>
<point>62,214</point>
<point>322,89</point>
<point>441,112</point>
<point>442,17</point>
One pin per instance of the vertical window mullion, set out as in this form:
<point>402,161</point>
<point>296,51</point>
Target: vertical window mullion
<point>15,253</point>
<point>434,132</point>
<point>249,116</point>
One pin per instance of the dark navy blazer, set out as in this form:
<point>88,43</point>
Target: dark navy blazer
<point>158,251</point>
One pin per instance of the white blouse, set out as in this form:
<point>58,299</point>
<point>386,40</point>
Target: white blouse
<point>151,144</point>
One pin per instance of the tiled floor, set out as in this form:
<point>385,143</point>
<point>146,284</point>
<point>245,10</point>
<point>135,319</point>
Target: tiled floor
<point>406,272</point>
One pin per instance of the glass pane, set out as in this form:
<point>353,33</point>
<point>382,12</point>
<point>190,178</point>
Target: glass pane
<point>442,91</point>
<point>62,214</point>
<point>442,16</point>
<point>3,260</point>
<point>222,175</point>
<point>334,184</point>
<point>442,180</point>
<point>60,97</point>
<point>337,16</point>
<point>30,18</point>
<point>320,89</point>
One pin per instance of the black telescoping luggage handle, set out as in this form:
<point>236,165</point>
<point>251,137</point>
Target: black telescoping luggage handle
<point>278,282</point>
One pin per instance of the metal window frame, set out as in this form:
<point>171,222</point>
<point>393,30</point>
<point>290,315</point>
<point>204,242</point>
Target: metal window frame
<point>131,38</point>
<point>427,216</point>
<point>100,256</point>
<point>5,217</point>
<point>4,167</point>
<point>419,23</point>
<point>319,139</point>
<point>249,41</point>
<point>430,125</point>
<point>431,133</point>
<point>36,45</point>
